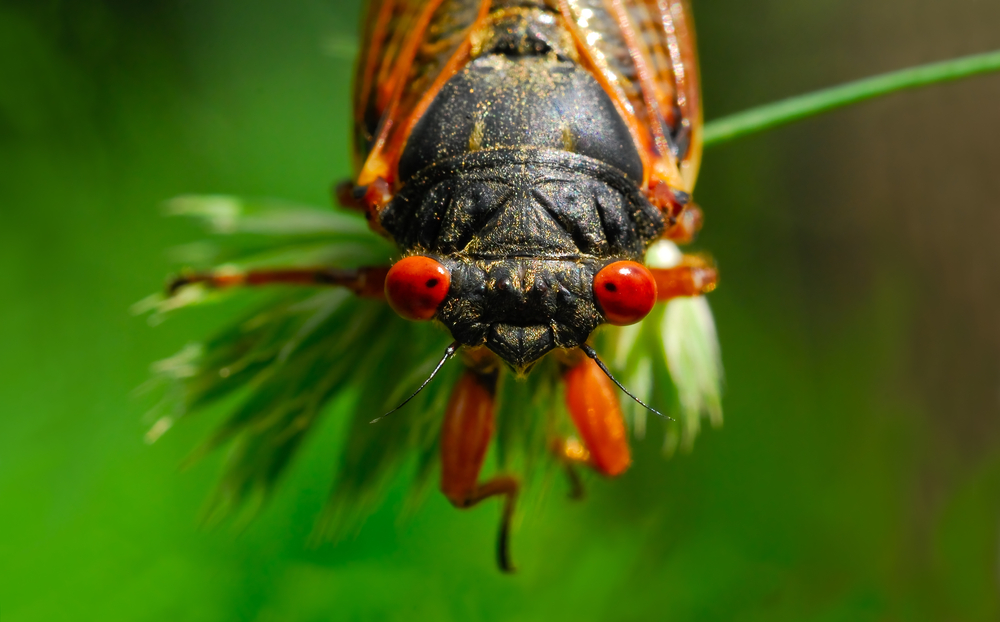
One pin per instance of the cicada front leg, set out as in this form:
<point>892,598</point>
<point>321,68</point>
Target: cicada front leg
<point>465,436</point>
<point>369,200</point>
<point>686,225</point>
<point>694,276</point>
<point>571,453</point>
<point>592,402</point>
<point>367,281</point>
<point>594,409</point>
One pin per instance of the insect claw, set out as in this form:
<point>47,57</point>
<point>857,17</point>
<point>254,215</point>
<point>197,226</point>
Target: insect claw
<point>503,548</point>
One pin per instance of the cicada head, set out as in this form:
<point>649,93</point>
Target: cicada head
<point>522,181</point>
<point>522,251</point>
<point>520,308</point>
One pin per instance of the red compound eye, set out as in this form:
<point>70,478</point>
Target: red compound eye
<point>415,286</point>
<point>625,291</point>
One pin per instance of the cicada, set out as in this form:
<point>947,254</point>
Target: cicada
<point>523,156</point>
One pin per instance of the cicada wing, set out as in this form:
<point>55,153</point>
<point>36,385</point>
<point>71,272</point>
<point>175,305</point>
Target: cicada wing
<point>409,48</point>
<point>643,52</point>
<point>682,44</point>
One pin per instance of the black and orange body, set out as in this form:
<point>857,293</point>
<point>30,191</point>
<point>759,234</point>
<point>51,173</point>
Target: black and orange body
<point>523,155</point>
<point>534,149</point>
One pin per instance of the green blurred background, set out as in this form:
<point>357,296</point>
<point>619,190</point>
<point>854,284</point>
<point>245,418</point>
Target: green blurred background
<point>857,476</point>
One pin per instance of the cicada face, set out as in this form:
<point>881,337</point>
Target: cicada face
<point>521,308</point>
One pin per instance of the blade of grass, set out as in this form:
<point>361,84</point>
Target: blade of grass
<point>794,108</point>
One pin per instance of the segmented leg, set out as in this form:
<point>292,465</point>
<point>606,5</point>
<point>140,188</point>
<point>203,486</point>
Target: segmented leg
<point>592,401</point>
<point>465,436</point>
<point>369,200</point>
<point>348,195</point>
<point>688,224</point>
<point>571,453</point>
<point>693,277</point>
<point>368,281</point>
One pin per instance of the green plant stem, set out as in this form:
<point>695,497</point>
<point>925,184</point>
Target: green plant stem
<point>794,108</point>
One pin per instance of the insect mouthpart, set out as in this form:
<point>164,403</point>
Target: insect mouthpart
<point>520,346</point>
<point>520,307</point>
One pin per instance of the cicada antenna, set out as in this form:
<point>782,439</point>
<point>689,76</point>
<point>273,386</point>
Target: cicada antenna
<point>448,353</point>
<point>607,372</point>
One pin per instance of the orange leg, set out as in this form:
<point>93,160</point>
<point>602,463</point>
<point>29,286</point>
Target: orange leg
<point>368,281</point>
<point>465,437</point>
<point>369,200</point>
<point>346,194</point>
<point>592,401</point>
<point>693,277</point>
<point>688,224</point>
<point>571,452</point>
